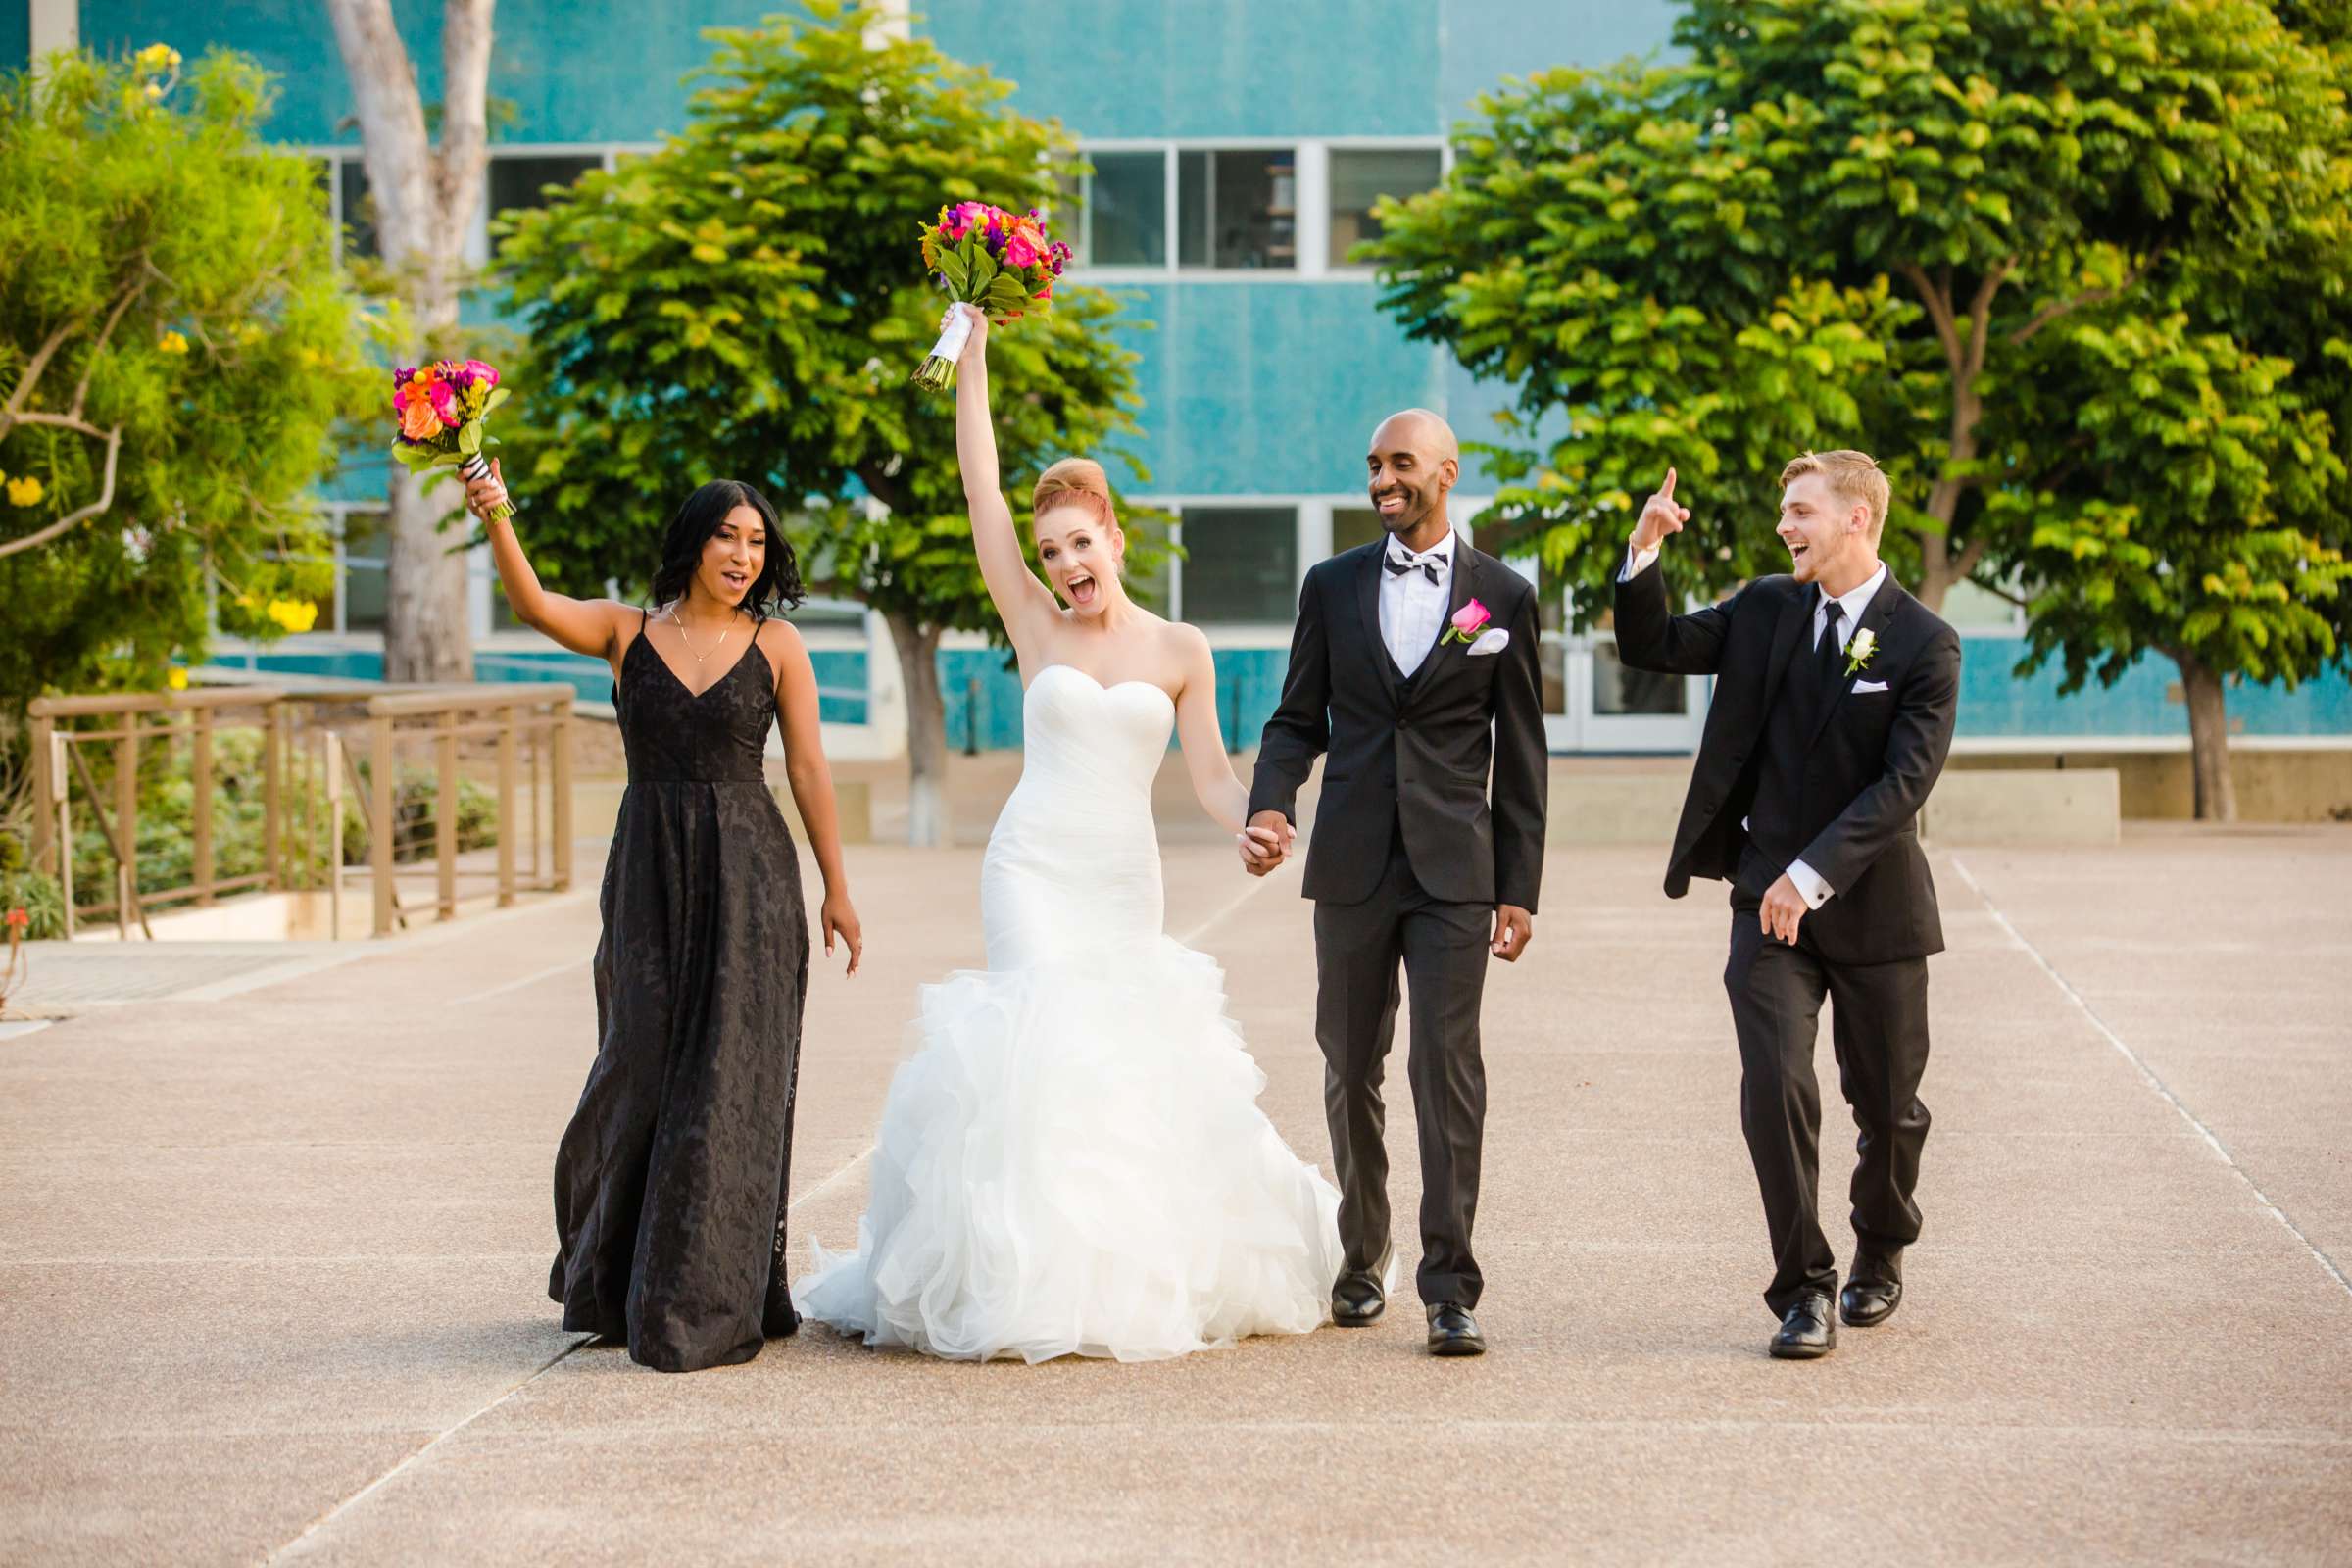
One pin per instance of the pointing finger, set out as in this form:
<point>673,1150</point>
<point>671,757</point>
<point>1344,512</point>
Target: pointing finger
<point>1667,489</point>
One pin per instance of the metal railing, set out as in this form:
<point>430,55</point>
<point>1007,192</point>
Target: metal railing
<point>496,766</point>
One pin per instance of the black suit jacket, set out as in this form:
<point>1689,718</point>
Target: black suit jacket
<point>1873,759</point>
<point>1412,754</point>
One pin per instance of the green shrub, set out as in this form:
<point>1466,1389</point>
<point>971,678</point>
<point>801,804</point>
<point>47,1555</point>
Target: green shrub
<point>38,896</point>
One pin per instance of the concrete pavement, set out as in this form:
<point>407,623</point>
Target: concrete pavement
<point>273,1266</point>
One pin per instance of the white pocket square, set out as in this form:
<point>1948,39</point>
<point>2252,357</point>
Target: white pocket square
<point>1863,686</point>
<point>1491,642</point>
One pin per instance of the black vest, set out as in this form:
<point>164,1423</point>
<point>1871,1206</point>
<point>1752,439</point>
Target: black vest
<point>1778,823</point>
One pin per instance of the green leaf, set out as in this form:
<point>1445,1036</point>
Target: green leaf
<point>1006,295</point>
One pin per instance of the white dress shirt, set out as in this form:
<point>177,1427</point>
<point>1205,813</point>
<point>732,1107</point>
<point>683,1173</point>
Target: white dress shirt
<point>1810,883</point>
<point>1411,607</point>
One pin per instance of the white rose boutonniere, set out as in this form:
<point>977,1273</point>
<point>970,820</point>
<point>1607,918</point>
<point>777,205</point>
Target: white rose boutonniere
<point>1858,651</point>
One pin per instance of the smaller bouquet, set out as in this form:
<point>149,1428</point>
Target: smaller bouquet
<point>987,257</point>
<point>440,408</point>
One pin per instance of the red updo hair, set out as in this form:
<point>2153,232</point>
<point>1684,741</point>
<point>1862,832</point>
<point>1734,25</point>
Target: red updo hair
<point>1074,482</point>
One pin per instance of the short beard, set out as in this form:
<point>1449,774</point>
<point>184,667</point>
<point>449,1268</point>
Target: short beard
<point>1411,516</point>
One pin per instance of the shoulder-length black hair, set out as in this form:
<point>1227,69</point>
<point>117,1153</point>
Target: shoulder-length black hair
<point>780,579</point>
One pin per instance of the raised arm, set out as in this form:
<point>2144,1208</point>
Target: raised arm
<point>811,781</point>
<point>1649,634</point>
<point>593,626</point>
<point>1214,783</point>
<point>1023,604</point>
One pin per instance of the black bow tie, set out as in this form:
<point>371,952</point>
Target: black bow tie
<point>1426,565</point>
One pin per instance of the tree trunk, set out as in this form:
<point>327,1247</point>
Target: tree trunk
<point>426,632</point>
<point>926,731</point>
<point>2208,740</point>
<point>424,201</point>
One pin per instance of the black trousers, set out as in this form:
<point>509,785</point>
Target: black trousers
<point>1879,1029</point>
<point>1441,950</point>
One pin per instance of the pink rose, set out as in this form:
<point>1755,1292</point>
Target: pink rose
<point>444,399</point>
<point>1019,251</point>
<point>1471,620</point>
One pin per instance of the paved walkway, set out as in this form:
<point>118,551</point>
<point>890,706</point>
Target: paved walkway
<point>272,1267</point>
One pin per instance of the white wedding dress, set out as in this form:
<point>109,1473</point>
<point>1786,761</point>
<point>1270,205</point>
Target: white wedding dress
<point>1073,1161</point>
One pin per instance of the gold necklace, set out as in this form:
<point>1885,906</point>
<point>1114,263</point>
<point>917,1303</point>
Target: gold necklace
<point>689,642</point>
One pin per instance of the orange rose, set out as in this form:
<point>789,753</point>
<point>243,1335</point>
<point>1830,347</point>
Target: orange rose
<point>419,422</point>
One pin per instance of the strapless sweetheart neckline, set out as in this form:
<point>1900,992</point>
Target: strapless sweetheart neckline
<point>1098,685</point>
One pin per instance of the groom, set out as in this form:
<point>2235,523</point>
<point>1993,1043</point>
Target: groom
<point>1832,712</point>
<point>1413,665</point>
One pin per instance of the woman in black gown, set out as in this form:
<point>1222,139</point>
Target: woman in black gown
<point>671,1181</point>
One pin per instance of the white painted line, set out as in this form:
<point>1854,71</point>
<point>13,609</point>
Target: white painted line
<point>827,1185</point>
<point>1257,885</point>
<point>532,979</point>
<point>298,1547</point>
<point>2148,1075</point>
<point>275,974</point>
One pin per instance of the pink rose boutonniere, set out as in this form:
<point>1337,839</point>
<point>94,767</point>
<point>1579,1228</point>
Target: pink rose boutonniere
<point>1468,622</point>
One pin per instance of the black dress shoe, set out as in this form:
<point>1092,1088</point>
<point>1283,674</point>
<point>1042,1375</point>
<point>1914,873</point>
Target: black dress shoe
<point>1452,1331</point>
<point>1873,1289</point>
<point>1807,1329</point>
<point>1359,1300</point>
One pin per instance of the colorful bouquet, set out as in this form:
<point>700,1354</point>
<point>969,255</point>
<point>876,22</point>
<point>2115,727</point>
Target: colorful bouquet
<point>985,256</point>
<point>440,408</point>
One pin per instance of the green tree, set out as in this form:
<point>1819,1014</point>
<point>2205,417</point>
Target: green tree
<point>175,352</point>
<point>749,303</point>
<point>1875,225</point>
<point>2217,555</point>
<point>2203,512</point>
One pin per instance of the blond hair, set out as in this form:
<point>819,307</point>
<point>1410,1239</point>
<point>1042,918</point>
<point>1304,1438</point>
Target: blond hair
<point>1853,477</point>
<point>1074,481</point>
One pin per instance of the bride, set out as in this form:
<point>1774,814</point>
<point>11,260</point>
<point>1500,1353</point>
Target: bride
<point>1073,1161</point>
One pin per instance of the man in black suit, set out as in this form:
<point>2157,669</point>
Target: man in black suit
<point>1413,668</point>
<point>1831,715</point>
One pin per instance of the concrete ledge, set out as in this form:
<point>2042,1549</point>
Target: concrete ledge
<point>2073,806</point>
<point>1617,807</point>
<point>1640,802</point>
<point>2278,778</point>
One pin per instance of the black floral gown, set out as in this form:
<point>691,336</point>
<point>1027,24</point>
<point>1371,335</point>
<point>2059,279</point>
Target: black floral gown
<point>671,1180</point>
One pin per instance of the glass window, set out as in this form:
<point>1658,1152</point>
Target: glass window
<point>359,211</point>
<point>1354,525</point>
<point>520,179</point>
<point>364,548</point>
<point>1241,564</point>
<point>1616,689</point>
<point>1237,209</point>
<point>1360,177</point>
<point>1126,218</point>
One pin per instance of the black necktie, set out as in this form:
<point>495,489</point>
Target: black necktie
<point>1427,565</point>
<point>1828,654</point>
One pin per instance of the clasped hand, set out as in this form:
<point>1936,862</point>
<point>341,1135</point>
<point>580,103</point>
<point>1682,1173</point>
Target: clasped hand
<point>1265,843</point>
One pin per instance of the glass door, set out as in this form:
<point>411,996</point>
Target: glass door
<point>1593,703</point>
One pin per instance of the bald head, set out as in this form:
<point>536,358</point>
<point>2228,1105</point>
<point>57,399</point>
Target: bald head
<point>1423,430</point>
<point>1413,461</point>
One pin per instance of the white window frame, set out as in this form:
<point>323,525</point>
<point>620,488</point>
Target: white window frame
<point>1310,164</point>
<point>477,250</point>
